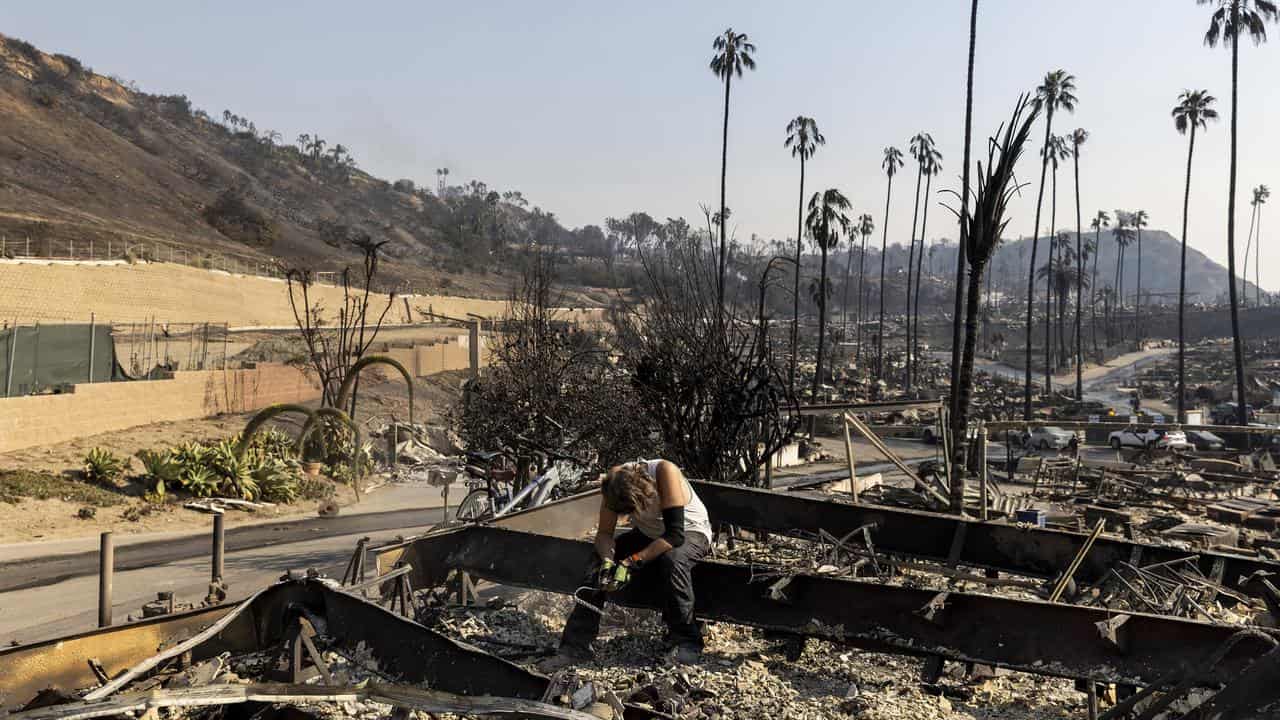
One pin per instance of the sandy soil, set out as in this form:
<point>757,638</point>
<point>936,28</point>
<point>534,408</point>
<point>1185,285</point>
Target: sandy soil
<point>33,519</point>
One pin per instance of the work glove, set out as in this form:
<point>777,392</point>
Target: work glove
<point>613,575</point>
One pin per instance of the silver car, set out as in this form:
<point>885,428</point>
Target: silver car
<point>1048,438</point>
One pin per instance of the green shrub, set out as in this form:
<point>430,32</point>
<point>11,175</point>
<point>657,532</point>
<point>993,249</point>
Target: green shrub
<point>236,218</point>
<point>102,467</point>
<point>314,488</point>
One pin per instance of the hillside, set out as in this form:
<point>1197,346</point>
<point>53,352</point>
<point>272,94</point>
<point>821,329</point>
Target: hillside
<point>86,158</point>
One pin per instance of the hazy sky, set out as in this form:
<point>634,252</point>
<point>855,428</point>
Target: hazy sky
<point>595,109</point>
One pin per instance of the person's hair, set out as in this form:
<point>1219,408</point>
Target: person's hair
<point>628,489</point>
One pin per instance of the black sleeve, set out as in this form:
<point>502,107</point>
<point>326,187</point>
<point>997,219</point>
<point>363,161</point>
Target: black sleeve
<point>673,520</point>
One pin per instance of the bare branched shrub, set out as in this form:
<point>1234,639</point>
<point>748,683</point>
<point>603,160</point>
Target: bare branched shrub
<point>337,338</point>
<point>705,378</point>
<point>545,371</point>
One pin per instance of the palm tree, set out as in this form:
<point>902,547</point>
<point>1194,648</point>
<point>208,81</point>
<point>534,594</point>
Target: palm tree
<point>1078,137</point>
<point>1138,220</point>
<point>1262,192</point>
<point>733,54</point>
<point>1060,275</point>
<point>891,164</point>
<point>957,493</point>
<point>1123,235</point>
<point>826,222</point>
<point>1194,110</point>
<point>1260,195</point>
<point>932,166</point>
<point>1057,151</point>
<point>866,226</point>
<point>1056,92</point>
<point>996,185</point>
<point>920,147</point>
<point>1101,220</point>
<point>1229,20</point>
<point>803,139</point>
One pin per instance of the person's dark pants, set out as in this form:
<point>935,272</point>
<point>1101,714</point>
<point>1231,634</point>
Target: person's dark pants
<point>667,579</point>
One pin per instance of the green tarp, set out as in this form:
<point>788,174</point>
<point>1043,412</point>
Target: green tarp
<point>37,358</point>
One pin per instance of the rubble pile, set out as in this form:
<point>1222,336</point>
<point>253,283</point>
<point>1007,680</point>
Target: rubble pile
<point>745,673</point>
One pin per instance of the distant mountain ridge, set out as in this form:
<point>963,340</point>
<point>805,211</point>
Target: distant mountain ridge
<point>1206,278</point>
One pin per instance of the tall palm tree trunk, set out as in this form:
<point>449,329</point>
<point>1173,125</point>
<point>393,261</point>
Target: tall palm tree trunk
<point>973,297</point>
<point>724,222</point>
<point>1093,287</point>
<point>959,403</point>
<point>1137,298</point>
<point>957,495</point>
<point>924,224</point>
<point>1079,280</point>
<point>1049,284</point>
<point>795,298</point>
<point>1237,347</point>
<point>884,248</point>
<point>1120,291</point>
<point>822,320</point>
<point>1031,278</point>
<point>844,301</point>
<point>1248,245</point>
<point>1182,287</point>
<point>862,295</point>
<point>911,257</point>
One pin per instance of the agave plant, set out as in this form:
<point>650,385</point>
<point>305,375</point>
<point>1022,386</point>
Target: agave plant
<point>235,472</point>
<point>277,480</point>
<point>159,469</point>
<point>102,467</point>
<point>199,481</point>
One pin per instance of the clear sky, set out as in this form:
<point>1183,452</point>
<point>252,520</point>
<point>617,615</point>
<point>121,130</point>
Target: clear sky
<point>595,109</point>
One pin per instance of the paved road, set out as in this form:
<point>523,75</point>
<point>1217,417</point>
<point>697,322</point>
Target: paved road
<point>35,572</point>
<point>70,606</point>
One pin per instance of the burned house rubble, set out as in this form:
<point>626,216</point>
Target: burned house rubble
<point>1098,623</point>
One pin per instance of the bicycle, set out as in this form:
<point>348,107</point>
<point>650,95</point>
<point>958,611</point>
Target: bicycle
<point>493,480</point>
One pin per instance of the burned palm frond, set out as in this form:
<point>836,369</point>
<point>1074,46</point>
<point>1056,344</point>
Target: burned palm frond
<point>986,221</point>
<point>705,380</point>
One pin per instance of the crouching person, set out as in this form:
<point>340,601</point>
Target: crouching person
<point>670,531</point>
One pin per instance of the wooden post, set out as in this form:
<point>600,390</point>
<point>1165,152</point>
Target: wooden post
<point>982,477</point>
<point>92,334</point>
<point>848,454</point>
<point>106,573</point>
<point>217,563</point>
<point>13,351</point>
<point>475,349</point>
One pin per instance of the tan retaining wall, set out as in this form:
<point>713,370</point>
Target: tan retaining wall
<point>120,292</point>
<point>37,420</point>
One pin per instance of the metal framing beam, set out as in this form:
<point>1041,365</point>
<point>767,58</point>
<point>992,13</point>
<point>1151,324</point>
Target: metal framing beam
<point>1038,552</point>
<point>1031,636</point>
<point>403,648</point>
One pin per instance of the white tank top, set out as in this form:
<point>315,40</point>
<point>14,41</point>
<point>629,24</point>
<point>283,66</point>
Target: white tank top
<point>695,513</point>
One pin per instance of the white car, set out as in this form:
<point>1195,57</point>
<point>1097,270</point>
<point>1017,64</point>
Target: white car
<point>1133,436</point>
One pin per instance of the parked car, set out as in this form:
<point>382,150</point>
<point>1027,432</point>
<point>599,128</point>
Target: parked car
<point>1134,436</point>
<point>1228,413</point>
<point>1205,440</point>
<point>1047,438</point>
